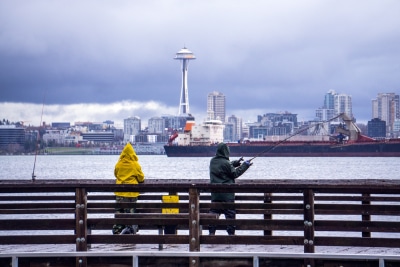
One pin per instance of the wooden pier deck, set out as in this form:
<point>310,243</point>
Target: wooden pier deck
<point>62,221</point>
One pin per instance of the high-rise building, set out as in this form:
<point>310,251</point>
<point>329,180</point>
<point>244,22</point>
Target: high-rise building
<point>156,125</point>
<point>216,106</point>
<point>343,104</point>
<point>334,104</point>
<point>132,127</point>
<point>327,111</point>
<point>184,55</point>
<point>329,101</point>
<point>237,127</point>
<point>386,108</point>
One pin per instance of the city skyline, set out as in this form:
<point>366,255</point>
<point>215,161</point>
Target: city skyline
<point>216,107</point>
<point>96,61</point>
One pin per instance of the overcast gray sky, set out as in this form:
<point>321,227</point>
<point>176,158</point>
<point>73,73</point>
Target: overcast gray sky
<point>96,60</point>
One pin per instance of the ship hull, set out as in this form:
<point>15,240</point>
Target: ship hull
<point>373,149</point>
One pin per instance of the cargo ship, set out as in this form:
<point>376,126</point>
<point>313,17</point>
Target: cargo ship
<point>201,141</point>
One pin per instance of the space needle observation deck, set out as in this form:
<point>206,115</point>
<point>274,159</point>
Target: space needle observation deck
<point>184,55</point>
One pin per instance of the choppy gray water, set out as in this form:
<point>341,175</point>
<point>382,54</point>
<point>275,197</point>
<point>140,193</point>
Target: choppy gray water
<point>162,167</point>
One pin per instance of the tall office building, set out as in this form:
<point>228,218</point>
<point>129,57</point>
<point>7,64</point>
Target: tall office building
<point>327,111</point>
<point>216,106</point>
<point>237,127</point>
<point>329,101</point>
<point>343,104</point>
<point>334,104</point>
<point>386,108</point>
<point>184,55</point>
<point>156,125</point>
<point>132,127</point>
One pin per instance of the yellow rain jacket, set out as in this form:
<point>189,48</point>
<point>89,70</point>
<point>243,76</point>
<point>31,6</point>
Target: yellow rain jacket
<point>128,170</point>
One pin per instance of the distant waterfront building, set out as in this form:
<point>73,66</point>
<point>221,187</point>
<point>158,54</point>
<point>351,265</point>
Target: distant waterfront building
<point>98,137</point>
<point>54,136</point>
<point>343,104</point>
<point>329,100</point>
<point>273,124</point>
<point>229,132</point>
<point>327,111</point>
<point>60,125</point>
<point>386,108</point>
<point>325,114</point>
<point>396,129</point>
<point>156,125</point>
<point>237,127</point>
<point>12,138</point>
<point>184,55</point>
<point>274,119</point>
<point>132,126</point>
<point>216,106</point>
<point>376,128</point>
<point>334,104</point>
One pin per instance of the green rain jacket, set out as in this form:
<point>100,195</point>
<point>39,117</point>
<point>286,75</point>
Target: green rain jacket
<point>223,171</point>
<point>128,170</point>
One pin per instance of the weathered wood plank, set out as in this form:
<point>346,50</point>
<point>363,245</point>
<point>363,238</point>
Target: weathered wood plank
<point>37,239</point>
<point>37,224</point>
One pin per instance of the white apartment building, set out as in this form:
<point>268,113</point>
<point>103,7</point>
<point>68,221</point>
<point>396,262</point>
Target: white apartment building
<point>132,127</point>
<point>335,104</point>
<point>216,106</point>
<point>386,108</point>
<point>156,125</point>
<point>237,127</point>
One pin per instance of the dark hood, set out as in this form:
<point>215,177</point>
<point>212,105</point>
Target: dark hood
<point>223,151</point>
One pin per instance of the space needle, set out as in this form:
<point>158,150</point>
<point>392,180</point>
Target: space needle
<point>184,55</point>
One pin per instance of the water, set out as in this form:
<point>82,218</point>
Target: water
<point>162,167</point>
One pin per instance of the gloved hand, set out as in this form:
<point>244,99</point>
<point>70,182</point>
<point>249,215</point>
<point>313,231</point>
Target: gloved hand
<point>240,160</point>
<point>248,163</point>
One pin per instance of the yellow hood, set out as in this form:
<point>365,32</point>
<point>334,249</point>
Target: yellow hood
<point>128,170</point>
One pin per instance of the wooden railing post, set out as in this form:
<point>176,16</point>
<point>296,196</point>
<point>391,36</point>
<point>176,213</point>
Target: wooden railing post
<point>81,224</point>
<point>267,216</point>
<point>366,217</point>
<point>194,225</point>
<point>309,229</point>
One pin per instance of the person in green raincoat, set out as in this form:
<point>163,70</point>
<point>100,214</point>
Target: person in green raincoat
<point>127,171</point>
<point>224,171</point>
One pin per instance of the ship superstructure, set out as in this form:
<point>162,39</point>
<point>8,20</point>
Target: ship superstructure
<point>205,134</point>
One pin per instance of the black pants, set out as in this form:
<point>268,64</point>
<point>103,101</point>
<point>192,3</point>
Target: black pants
<point>117,228</point>
<point>230,214</point>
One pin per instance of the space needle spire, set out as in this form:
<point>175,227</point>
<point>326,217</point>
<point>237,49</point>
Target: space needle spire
<point>184,55</point>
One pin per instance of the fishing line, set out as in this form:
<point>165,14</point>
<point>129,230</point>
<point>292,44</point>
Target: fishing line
<point>38,141</point>
<point>290,136</point>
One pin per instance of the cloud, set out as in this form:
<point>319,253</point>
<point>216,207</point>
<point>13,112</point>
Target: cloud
<point>263,55</point>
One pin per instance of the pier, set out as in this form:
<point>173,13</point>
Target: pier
<point>77,216</point>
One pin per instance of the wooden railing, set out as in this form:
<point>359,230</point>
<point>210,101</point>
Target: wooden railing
<point>307,213</point>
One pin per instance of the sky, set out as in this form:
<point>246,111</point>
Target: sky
<point>97,60</point>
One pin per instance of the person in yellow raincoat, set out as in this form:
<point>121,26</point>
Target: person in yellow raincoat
<point>127,171</point>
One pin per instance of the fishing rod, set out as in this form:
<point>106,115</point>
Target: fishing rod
<point>38,141</point>
<point>290,136</point>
